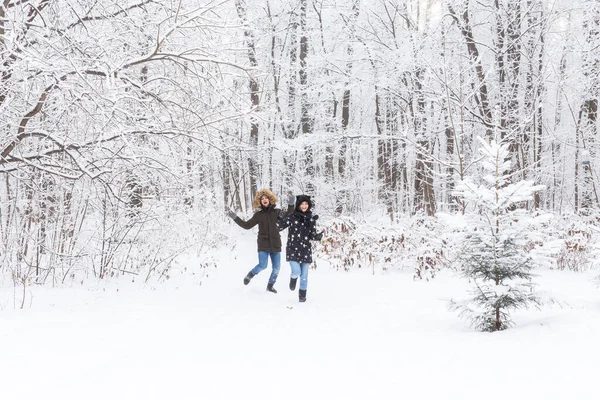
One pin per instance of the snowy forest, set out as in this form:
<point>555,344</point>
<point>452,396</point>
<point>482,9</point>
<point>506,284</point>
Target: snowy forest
<point>130,127</point>
<point>450,149</point>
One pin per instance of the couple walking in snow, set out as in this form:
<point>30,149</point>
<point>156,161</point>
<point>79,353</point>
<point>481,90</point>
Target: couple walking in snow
<point>302,228</point>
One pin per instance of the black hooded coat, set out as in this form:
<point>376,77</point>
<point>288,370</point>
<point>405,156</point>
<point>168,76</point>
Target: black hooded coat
<point>302,228</point>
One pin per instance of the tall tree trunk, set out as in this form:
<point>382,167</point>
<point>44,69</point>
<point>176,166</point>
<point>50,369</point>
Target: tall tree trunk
<point>254,96</point>
<point>292,125</point>
<point>342,195</point>
<point>481,96</point>
<point>508,61</point>
<point>421,191</point>
<point>558,167</point>
<point>588,115</point>
<point>384,154</point>
<point>332,104</point>
<point>228,185</point>
<point>450,199</point>
<point>305,120</point>
<point>535,80</point>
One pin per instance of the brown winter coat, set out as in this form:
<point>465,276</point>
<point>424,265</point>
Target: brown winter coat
<point>268,235</point>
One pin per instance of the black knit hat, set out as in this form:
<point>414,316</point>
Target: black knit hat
<point>303,198</point>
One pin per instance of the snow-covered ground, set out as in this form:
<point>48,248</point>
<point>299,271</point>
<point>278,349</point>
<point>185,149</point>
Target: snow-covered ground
<point>358,336</point>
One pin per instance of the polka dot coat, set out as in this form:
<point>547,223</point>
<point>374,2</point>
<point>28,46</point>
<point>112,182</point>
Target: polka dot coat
<point>302,228</point>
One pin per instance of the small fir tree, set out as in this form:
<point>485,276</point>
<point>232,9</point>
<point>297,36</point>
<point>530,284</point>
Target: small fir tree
<point>499,233</point>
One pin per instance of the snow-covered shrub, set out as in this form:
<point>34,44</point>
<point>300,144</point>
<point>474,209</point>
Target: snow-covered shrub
<point>149,243</point>
<point>348,244</point>
<point>580,248</point>
<point>157,249</point>
<point>417,243</point>
<point>499,239</point>
<point>426,246</point>
<point>160,239</point>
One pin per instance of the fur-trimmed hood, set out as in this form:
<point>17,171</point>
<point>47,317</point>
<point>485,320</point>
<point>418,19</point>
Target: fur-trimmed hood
<point>266,192</point>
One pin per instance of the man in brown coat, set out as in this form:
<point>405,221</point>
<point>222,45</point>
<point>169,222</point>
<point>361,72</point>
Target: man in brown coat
<point>268,240</point>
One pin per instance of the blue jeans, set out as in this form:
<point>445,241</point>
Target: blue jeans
<point>263,260</point>
<point>300,270</point>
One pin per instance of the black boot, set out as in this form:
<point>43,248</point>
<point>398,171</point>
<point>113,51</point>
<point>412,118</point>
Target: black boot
<point>302,295</point>
<point>293,283</point>
<point>248,278</point>
<point>270,288</point>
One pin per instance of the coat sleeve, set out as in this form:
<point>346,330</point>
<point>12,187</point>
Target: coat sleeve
<point>313,229</point>
<point>283,222</point>
<point>247,224</point>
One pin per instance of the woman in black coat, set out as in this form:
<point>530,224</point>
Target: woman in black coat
<point>302,228</point>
